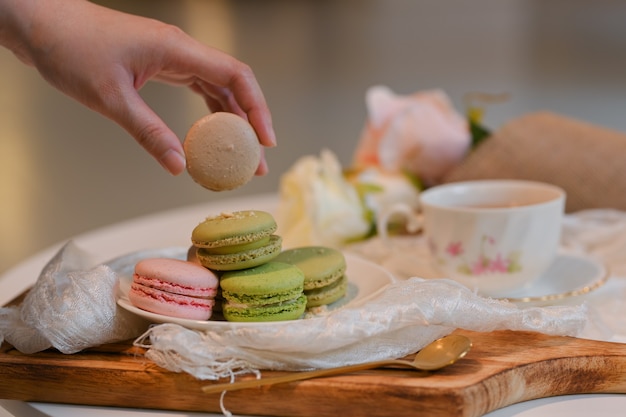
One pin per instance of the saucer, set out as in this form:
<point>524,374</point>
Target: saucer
<point>568,276</point>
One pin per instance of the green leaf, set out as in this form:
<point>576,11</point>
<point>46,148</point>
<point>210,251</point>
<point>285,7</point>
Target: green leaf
<point>414,180</point>
<point>363,188</point>
<point>479,133</point>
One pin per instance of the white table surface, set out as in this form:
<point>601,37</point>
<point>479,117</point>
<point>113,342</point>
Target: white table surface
<point>173,228</point>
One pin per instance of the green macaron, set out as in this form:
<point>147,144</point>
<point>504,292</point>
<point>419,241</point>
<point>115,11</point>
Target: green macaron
<point>324,272</point>
<point>243,259</point>
<point>233,228</point>
<point>328,294</point>
<point>237,240</point>
<point>270,292</point>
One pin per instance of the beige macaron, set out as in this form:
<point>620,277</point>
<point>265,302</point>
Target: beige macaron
<point>222,151</point>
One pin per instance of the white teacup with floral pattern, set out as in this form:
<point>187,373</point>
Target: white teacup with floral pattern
<point>494,236</point>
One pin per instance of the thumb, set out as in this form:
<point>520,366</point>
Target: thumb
<point>138,119</point>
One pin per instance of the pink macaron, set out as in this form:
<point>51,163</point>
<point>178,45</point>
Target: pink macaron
<point>174,288</point>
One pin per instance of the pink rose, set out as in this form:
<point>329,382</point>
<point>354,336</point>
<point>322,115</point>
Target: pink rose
<point>421,133</point>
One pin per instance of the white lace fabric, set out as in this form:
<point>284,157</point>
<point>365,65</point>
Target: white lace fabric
<point>71,307</point>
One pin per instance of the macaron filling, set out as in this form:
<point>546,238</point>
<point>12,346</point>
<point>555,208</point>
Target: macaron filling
<point>241,260</point>
<point>312,283</point>
<point>275,312</point>
<point>169,297</point>
<point>171,287</point>
<point>242,300</point>
<point>227,250</point>
<point>328,294</point>
<point>169,304</point>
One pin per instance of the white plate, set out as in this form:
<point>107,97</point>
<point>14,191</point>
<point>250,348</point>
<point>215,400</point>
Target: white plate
<point>365,281</point>
<point>568,276</point>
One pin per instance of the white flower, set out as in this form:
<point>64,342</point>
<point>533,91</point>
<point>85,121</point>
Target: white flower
<point>422,134</point>
<point>318,206</point>
<point>382,190</point>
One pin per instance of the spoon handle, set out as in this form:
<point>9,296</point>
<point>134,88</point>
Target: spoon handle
<point>299,376</point>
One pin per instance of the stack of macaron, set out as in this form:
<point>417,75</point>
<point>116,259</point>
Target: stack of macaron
<point>233,255</point>
<point>236,266</point>
<point>241,247</point>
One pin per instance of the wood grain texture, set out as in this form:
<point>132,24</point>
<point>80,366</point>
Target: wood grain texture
<point>503,368</point>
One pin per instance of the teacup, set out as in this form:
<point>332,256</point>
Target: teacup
<point>494,236</point>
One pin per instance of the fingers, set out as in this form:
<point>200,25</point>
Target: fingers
<point>156,138</point>
<point>173,161</point>
<point>254,109</point>
<point>226,83</point>
<point>249,96</point>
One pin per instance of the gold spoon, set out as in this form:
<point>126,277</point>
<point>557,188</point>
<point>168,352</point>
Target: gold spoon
<point>438,354</point>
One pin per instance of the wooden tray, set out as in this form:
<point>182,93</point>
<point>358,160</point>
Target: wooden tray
<point>503,368</point>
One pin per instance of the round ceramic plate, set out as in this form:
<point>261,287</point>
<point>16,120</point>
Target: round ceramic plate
<point>568,276</point>
<point>365,281</point>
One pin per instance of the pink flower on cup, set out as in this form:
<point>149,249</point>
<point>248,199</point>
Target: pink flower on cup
<point>484,263</point>
<point>480,266</point>
<point>499,265</point>
<point>455,248</point>
<point>421,134</point>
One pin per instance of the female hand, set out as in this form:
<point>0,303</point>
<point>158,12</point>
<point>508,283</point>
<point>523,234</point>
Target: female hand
<point>102,57</point>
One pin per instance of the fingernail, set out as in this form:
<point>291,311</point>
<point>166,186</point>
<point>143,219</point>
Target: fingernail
<point>173,162</point>
<point>263,168</point>
<point>273,141</point>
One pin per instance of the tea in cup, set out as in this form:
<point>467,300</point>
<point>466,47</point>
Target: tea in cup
<point>494,236</point>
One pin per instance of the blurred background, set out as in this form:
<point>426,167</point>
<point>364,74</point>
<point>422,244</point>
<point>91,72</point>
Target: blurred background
<point>65,170</point>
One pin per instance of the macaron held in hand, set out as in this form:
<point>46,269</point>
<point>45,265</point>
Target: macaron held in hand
<point>222,151</point>
<point>174,288</point>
